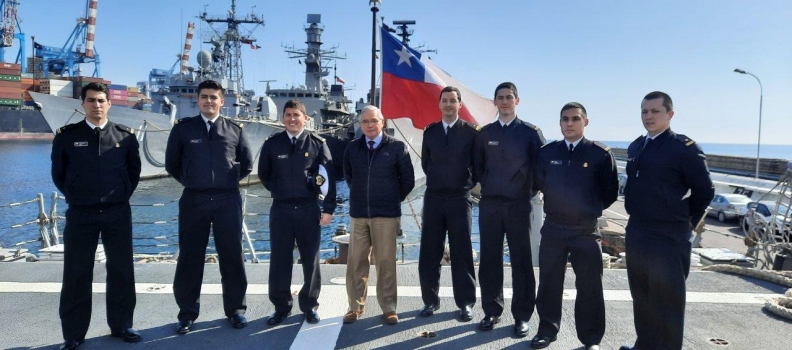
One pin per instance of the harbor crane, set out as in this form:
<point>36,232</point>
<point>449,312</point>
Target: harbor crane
<point>9,25</point>
<point>78,49</point>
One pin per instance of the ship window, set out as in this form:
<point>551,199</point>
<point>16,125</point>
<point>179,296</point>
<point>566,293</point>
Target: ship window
<point>291,94</point>
<point>192,90</point>
<point>300,95</point>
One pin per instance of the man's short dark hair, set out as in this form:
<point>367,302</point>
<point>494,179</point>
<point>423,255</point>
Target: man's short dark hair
<point>94,87</point>
<point>667,103</point>
<point>572,105</point>
<point>451,89</point>
<point>506,85</point>
<point>294,103</point>
<point>212,85</point>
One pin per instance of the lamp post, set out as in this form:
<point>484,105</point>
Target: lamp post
<point>759,137</point>
<point>35,80</point>
<point>374,10</point>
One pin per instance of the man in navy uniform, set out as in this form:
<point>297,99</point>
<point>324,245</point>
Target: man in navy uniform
<point>447,161</point>
<point>289,167</point>
<point>380,175</point>
<point>505,162</point>
<point>663,167</point>
<point>96,165</point>
<point>209,154</point>
<point>579,179</point>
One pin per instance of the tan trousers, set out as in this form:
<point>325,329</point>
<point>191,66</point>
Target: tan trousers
<point>378,237</point>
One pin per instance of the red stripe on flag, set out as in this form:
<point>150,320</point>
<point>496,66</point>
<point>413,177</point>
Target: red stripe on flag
<point>418,101</point>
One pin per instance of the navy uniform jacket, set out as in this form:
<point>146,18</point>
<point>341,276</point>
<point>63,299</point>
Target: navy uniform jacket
<point>579,188</point>
<point>378,184</point>
<point>505,159</point>
<point>659,177</point>
<point>291,177</point>
<point>199,161</point>
<point>449,166</point>
<point>95,172</point>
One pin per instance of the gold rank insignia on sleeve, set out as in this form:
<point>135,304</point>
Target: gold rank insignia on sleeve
<point>689,142</point>
<point>320,180</point>
<point>478,127</point>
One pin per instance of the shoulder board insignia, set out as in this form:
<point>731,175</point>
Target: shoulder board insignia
<point>321,139</point>
<point>65,128</point>
<point>602,145</point>
<point>131,131</point>
<point>241,125</point>
<point>531,126</point>
<point>234,122</point>
<point>478,127</point>
<point>686,140</point>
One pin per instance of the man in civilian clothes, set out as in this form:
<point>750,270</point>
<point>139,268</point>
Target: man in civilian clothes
<point>96,165</point>
<point>209,154</point>
<point>447,161</point>
<point>505,162</point>
<point>662,168</point>
<point>579,179</point>
<point>380,175</point>
<point>289,168</point>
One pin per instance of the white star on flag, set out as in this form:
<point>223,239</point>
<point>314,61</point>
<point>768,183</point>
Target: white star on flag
<point>404,56</point>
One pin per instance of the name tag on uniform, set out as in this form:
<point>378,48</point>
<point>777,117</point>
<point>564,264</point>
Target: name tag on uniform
<point>283,156</point>
<point>492,143</point>
<point>630,159</point>
<point>556,162</point>
<point>195,141</point>
<point>81,144</point>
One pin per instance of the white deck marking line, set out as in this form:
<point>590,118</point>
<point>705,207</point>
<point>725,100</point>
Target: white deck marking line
<point>619,214</point>
<point>335,294</point>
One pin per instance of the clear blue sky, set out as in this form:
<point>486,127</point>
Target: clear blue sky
<point>604,54</point>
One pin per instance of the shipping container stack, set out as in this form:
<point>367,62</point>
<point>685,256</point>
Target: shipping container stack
<point>79,82</point>
<point>10,85</point>
<point>118,95</point>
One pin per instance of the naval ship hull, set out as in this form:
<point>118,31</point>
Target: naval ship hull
<point>152,129</point>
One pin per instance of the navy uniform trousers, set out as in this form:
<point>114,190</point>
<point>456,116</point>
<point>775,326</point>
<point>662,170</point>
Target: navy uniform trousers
<point>582,248</point>
<point>513,219</point>
<point>290,224</point>
<point>452,215</point>
<point>657,267</point>
<point>80,239</point>
<point>222,211</point>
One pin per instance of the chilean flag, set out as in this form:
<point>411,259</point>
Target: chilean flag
<point>411,88</point>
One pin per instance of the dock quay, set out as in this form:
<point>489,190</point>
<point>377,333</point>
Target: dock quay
<point>723,312</point>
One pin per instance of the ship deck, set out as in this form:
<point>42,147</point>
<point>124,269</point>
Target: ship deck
<point>719,307</point>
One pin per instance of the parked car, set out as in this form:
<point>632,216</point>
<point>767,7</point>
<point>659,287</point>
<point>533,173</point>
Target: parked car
<point>727,206</point>
<point>763,213</point>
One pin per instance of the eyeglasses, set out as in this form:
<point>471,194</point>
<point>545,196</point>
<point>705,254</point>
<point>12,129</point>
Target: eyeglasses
<point>370,121</point>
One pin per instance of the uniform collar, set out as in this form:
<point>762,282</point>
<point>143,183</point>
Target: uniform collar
<point>206,120</point>
<point>295,136</point>
<point>92,126</point>
<point>574,144</point>
<point>377,140</point>
<point>451,125</point>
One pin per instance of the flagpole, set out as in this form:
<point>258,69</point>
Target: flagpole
<point>374,9</point>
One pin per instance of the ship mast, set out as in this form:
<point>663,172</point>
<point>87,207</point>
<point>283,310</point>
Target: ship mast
<point>227,40</point>
<point>314,57</point>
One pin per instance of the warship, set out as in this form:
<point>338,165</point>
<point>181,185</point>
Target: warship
<point>174,94</point>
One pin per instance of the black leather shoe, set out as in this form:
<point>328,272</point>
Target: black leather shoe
<point>466,314</point>
<point>184,326</point>
<point>593,347</point>
<point>428,310</point>
<point>312,317</point>
<point>277,318</point>
<point>488,322</point>
<point>520,329</point>
<point>129,335</point>
<point>542,341</point>
<point>238,321</point>
<point>71,344</point>
<point>626,347</point>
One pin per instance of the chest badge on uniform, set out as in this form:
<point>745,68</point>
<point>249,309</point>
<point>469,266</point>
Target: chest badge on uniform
<point>283,156</point>
<point>118,145</point>
<point>585,165</point>
<point>81,144</point>
<point>556,162</point>
<point>195,141</point>
<point>306,154</point>
<point>492,143</point>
